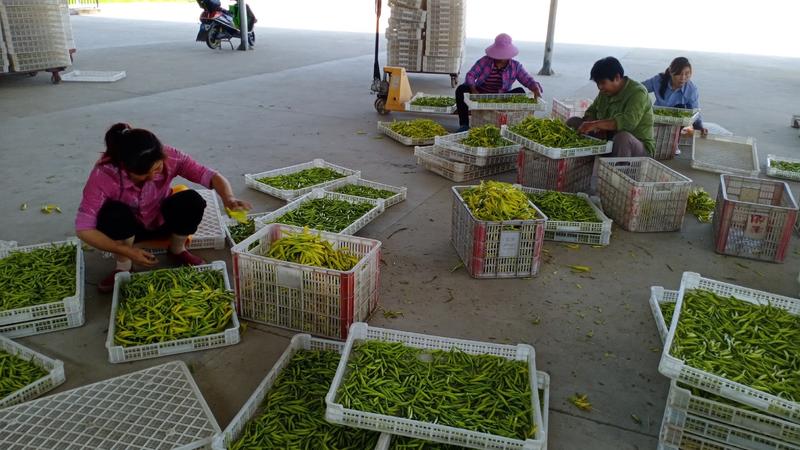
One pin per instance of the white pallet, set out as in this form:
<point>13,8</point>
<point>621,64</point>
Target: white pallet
<point>778,173</point>
<point>35,34</point>
<point>361,222</point>
<point>593,233</point>
<point>670,120</point>
<point>93,76</point>
<point>680,421</point>
<point>429,109</point>
<point>158,408</point>
<point>229,222</point>
<point>291,194</point>
<point>54,368</point>
<point>477,156</point>
<point>119,353</point>
<point>601,148</point>
<point>725,154</point>
<point>384,127</point>
<point>252,407</point>
<point>659,296</point>
<point>676,369</point>
<point>431,159</point>
<point>337,413</point>
<point>69,305</point>
<point>471,100</point>
<point>400,191</point>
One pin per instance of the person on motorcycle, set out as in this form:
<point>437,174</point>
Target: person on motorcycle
<point>128,198</point>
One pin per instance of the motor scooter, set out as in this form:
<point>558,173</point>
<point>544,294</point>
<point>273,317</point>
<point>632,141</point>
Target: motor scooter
<point>218,24</point>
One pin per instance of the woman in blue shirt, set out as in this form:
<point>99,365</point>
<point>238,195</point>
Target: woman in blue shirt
<point>674,89</point>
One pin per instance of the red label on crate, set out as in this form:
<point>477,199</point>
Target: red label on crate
<point>756,226</point>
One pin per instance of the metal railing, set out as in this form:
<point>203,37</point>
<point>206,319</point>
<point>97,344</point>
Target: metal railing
<point>83,3</point>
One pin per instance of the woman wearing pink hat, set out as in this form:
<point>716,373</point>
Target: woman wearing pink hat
<point>495,73</point>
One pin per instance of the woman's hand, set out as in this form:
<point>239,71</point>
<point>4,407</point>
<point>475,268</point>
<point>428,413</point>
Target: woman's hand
<point>141,257</point>
<point>235,204</point>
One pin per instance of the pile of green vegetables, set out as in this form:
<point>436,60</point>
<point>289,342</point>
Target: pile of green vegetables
<point>750,344</point>
<point>441,102</point>
<point>418,128</point>
<point>43,275</point>
<point>551,133</point>
<point>701,205</point>
<point>169,304</point>
<point>16,373</point>
<point>293,412</point>
<point>560,206</point>
<point>482,393</point>
<point>311,249</point>
<point>497,201</point>
<point>785,165</point>
<point>521,98</point>
<point>302,179</point>
<point>358,190</point>
<point>682,113</point>
<point>667,310</point>
<point>485,136</point>
<point>241,231</point>
<point>325,214</point>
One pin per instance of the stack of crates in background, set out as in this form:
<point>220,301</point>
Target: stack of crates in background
<point>450,158</point>
<point>754,218</point>
<point>404,35</point>
<point>35,35</point>
<point>445,34</point>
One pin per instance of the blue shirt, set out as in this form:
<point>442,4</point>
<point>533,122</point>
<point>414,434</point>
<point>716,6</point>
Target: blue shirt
<point>684,97</point>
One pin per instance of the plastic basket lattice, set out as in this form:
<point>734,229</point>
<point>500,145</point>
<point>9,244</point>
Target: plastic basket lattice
<point>563,175</point>
<point>433,160</point>
<point>601,148</point>
<point>474,103</point>
<point>251,180</point>
<point>593,233</point>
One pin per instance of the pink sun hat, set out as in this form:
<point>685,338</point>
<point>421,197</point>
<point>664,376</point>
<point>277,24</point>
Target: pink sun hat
<point>502,48</point>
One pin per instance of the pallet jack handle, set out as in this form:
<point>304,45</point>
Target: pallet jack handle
<point>376,69</point>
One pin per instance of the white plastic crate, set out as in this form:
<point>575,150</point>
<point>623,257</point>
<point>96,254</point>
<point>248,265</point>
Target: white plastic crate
<point>361,222</point>
<point>414,4</point>
<point>35,34</point>
<point>753,218</point>
<point>725,154</point>
<point>158,408</point>
<point>563,175</point>
<point>54,368</point>
<point>320,301</point>
<point>251,180</point>
<point>384,127</point>
<point>474,105</point>
<point>405,48</point>
<point>666,139</point>
<point>400,191</point>
<point>643,195</point>
<point>779,173</point>
<point>119,353</point>
<point>731,413</point>
<point>477,156</point>
<point>680,421</point>
<point>471,159</point>
<point>446,50</point>
<point>409,106</point>
<point>455,171</point>
<point>403,33</point>
<point>34,327</point>
<point>676,369</point>
<point>542,380</point>
<point>93,76</point>
<point>496,249</point>
<point>337,413</point>
<point>411,64</point>
<point>688,441</point>
<point>211,231</point>
<point>437,64</point>
<point>594,233</point>
<point>69,305</point>
<point>229,222</point>
<point>564,109</point>
<point>412,15</point>
<point>455,165</point>
<point>252,408</point>
<point>659,296</point>
<point>670,120</point>
<point>498,118</point>
<point>602,147</point>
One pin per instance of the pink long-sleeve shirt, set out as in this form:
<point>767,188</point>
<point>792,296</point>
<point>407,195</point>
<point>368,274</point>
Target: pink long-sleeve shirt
<point>108,182</point>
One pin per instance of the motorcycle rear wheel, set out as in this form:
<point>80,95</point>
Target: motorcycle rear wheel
<point>212,41</point>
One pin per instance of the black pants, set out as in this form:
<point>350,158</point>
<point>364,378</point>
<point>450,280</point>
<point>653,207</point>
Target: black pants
<point>463,109</point>
<point>182,214</point>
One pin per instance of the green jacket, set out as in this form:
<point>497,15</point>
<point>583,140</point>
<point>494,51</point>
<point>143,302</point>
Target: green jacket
<point>630,108</point>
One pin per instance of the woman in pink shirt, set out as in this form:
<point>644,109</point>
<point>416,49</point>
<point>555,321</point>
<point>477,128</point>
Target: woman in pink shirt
<point>128,198</point>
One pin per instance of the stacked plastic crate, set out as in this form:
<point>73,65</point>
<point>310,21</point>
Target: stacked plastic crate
<point>450,158</point>
<point>35,34</point>
<point>444,36</point>
<point>404,34</point>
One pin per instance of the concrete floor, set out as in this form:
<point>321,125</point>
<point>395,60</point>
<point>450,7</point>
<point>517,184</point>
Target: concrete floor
<point>302,95</point>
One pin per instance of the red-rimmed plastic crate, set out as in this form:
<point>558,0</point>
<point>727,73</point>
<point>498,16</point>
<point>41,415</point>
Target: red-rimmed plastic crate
<point>667,138</point>
<point>509,249</point>
<point>315,300</point>
<point>564,175</point>
<point>570,107</point>
<point>753,218</point>
<point>642,195</point>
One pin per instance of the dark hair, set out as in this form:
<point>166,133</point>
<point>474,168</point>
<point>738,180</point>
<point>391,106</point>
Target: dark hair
<point>606,69</point>
<point>132,149</point>
<point>675,68</point>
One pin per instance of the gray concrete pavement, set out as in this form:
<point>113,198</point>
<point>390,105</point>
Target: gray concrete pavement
<point>303,95</point>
